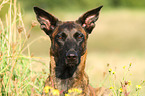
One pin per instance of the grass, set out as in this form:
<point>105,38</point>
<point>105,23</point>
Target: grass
<point>125,87</point>
<point>16,75</point>
<point>22,73</point>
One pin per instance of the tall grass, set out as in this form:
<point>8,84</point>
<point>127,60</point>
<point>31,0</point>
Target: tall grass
<point>16,75</point>
<point>124,87</point>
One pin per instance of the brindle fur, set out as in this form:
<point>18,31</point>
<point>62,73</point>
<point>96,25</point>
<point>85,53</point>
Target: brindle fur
<point>68,51</point>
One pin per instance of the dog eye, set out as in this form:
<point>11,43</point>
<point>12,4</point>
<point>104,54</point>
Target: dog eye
<point>80,36</point>
<point>60,37</point>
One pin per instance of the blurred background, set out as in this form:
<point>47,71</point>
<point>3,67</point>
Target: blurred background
<point>118,38</point>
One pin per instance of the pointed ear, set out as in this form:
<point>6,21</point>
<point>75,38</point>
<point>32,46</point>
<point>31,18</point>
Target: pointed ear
<point>88,19</point>
<point>48,22</point>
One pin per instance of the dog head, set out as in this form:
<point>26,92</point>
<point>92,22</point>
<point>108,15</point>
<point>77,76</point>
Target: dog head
<point>68,39</point>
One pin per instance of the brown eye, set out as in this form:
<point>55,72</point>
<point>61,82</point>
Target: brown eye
<point>60,37</point>
<point>79,36</point>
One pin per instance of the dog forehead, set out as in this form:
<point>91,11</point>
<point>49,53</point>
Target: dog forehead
<point>70,26</point>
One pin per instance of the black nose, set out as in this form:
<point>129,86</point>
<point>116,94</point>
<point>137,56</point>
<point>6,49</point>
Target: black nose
<point>71,55</point>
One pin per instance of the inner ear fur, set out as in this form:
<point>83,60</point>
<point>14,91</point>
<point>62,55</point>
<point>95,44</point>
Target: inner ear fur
<point>88,19</point>
<point>47,21</point>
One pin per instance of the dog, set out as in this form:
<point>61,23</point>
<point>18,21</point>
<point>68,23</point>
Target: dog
<point>68,53</point>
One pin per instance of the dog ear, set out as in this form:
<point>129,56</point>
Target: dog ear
<point>48,22</point>
<point>88,19</point>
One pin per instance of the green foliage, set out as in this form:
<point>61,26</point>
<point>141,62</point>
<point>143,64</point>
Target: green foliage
<point>16,75</point>
<point>81,4</point>
<point>125,86</point>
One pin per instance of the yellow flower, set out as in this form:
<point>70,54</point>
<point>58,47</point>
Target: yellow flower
<point>110,70</point>
<point>74,90</point>
<point>111,87</point>
<point>113,72</point>
<point>55,92</point>
<point>138,86</point>
<point>79,91</point>
<point>124,67</point>
<point>130,64</point>
<point>67,95</point>
<point>120,90</point>
<point>129,82</point>
<point>70,91</point>
<point>46,89</point>
<point>130,74</point>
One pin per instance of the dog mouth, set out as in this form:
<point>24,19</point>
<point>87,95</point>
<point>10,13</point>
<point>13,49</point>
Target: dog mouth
<point>67,64</point>
<point>71,62</point>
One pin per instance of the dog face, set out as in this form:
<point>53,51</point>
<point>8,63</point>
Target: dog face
<point>69,43</point>
<point>68,39</point>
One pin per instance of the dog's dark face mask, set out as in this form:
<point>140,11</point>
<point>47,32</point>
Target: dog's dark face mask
<point>68,45</point>
<point>68,39</point>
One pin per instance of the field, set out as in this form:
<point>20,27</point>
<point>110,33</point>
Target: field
<point>116,52</point>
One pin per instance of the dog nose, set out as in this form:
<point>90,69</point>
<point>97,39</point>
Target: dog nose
<point>71,55</point>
